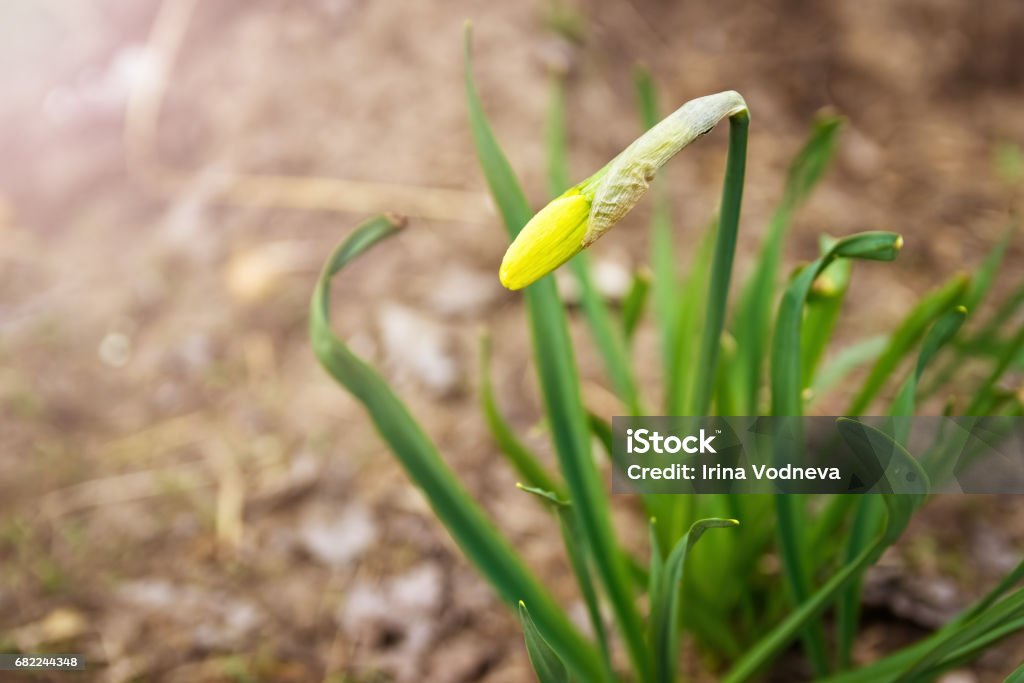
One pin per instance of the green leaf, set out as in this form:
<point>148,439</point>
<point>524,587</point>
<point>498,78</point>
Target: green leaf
<point>940,334</point>
<point>753,312</point>
<point>666,585</point>
<point>1010,609</point>
<point>635,302</point>
<point>992,624</point>
<point>579,558</point>
<point>846,361</point>
<point>906,336</point>
<point>655,569</point>
<point>822,312</point>
<point>981,285</point>
<point>728,391</point>
<point>986,273</point>
<point>904,498</point>
<point>609,338</point>
<point>546,664</point>
<point>786,387</point>
<point>785,371</point>
<point>689,316</point>
<point>454,507</point>
<point>1006,311</point>
<point>983,395</point>
<point>869,511</point>
<point>560,387</point>
<point>665,282</point>
<point>521,458</point>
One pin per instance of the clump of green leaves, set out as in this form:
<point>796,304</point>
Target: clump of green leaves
<point>767,354</point>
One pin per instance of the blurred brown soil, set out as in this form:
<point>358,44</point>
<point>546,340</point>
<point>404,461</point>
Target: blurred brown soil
<point>185,496</point>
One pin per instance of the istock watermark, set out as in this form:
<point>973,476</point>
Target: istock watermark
<point>911,455</point>
<point>645,441</point>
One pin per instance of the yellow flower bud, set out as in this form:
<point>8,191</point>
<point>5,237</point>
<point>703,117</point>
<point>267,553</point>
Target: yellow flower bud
<point>552,237</point>
<point>583,214</point>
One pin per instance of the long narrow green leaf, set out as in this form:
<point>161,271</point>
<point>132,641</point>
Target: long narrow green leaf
<point>522,458</point>
<point>1006,311</point>
<point>846,361</point>
<point>905,497</point>
<point>546,664</point>
<point>1009,609</point>
<point>981,284</point>
<point>665,600</point>
<point>866,519</point>
<point>556,134</point>
<point>982,395</point>
<point>452,504</point>
<point>786,387</point>
<point>906,336</point>
<point>579,558</point>
<point>635,302</point>
<point>655,570</point>
<point>890,669</point>
<point>689,317</point>
<point>971,651</point>
<point>721,264</point>
<point>609,338</point>
<point>985,275</point>
<point>559,381</point>
<point>822,313</point>
<point>662,246</point>
<point>753,312</point>
<point>940,334</point>
<point>869,511</point>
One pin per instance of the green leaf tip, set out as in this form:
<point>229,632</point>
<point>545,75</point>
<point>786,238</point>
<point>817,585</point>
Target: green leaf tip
<point>549,496</point>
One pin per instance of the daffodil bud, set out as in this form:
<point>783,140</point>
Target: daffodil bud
<point>576,219</point>
<point>552,237</point>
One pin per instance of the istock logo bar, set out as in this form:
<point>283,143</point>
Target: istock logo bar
<point>892,455</point>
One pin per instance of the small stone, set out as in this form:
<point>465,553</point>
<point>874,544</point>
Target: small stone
<point>334,538</point>
<point>115,349</point>
<point>612,279</point>
<point>461,291</point>
<point>420,348</point>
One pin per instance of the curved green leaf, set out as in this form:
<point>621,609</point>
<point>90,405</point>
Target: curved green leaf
<point>579,558</point>
<point>753,312</point>
<point>869,513</point>
<point>666,585</point>
<point>522,458</point>
<point>546,664</point>
<point>787,400</point>
<point>454,507</point>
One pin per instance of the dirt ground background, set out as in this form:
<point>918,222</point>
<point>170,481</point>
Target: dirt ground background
<point>185,496</point>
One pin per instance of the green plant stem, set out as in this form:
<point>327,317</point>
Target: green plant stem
<point>721,268</point>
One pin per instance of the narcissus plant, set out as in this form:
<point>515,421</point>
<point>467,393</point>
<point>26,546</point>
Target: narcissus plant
<point>764,355</point>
